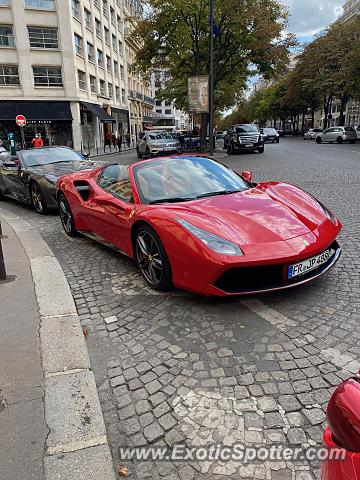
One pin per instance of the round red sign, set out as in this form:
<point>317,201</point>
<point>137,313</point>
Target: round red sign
<point>20,120</point>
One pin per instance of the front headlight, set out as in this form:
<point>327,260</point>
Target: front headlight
<point>215,243</point>
<point>329,215</point>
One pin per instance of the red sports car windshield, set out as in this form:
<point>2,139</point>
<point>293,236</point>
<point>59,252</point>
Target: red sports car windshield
<point>177,179</point>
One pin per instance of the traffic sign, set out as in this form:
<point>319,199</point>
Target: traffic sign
<point>20,120</point>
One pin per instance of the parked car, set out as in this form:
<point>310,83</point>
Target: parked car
<point>337,135</point>
<point>270,135</point>
<point>156,142</point>
<point>220,135</point>
<point>193,223</point>
<point>244,137</point>
<point>343,433</point>
<point>31,176</point>
<point>312,133</point>
<point>357,128</point>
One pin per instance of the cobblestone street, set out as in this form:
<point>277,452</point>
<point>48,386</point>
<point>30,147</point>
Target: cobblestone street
<point>179,368</point>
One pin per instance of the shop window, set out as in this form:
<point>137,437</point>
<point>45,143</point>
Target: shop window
<point>6,36</point>
<point>87,18</point>
<point>9,75</point>
<point>100,59</point>
<point>43,4</point>
<point>40,37</point>
<point>78,44</point>
<point>92,84</point>
<point>47,76</point>
<point>75,5</point>
<point>90,52</point>
<point>82,80</point>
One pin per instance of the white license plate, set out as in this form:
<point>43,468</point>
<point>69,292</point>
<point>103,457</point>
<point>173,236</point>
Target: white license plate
<point>310,264</point>
<point>248,145</point>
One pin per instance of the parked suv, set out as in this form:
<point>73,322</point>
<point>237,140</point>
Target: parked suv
<point>156,142</point>
<point>337,135</point>
<point>312,133</point>
<point>244,137</point>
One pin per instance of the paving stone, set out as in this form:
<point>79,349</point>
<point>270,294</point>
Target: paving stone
<point>246,379</point>
<point>157,398</point>
<point>153,387</point>
<point>131,426</point>
<point>146,419</point>
<point>126,412</point>
<point>130,373</point>
<point>296,436</point>
<point>289,403</point>
<point>314,415</point>
<point>153,432</point>
<point>148,377</point>
<point>116,381</point>
<point>268,404</point>
<point>274,420</point>
<point>142,406</point>
<point>253,420</point>
<point>124,400</point>
<point>224,352</point>
<point>295,419</point>
<point>167,421</point>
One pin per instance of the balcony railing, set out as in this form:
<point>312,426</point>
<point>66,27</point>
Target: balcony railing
<point>149,100</point>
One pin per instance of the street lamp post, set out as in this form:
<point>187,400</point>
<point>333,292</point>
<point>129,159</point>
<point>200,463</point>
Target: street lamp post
<point>2,262</point>
<point>211,80</point>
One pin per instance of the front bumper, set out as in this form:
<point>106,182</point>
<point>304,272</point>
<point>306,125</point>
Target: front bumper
<point>165,150</point>
<point>268,278</point>
<point>248,146</point>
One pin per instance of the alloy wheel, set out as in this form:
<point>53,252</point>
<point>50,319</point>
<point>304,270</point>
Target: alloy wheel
<point>65,216</point>
<point>149,258</point>
<point>37,199</point>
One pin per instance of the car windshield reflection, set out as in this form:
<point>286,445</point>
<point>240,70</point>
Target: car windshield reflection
<point>184,179</point>
<point>46,156</point>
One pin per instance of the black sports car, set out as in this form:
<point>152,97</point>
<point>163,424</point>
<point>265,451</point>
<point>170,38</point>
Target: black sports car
<point>31,176</point>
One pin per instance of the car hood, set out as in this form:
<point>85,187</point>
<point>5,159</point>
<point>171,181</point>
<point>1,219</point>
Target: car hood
<point>56,170</point>
<point>268,213</point>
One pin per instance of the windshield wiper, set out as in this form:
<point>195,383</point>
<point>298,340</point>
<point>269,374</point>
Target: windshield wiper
<point>51,163</point>
<point>221,192</point>
<point>171,200</point>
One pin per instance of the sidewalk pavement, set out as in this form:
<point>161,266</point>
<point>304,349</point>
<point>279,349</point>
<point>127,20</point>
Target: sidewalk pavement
<point>22,417</point>
<point>51,423</point>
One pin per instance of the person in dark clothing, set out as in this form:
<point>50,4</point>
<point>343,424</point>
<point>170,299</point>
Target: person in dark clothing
<point>120,140</point>
<point>127,138</point>
<point>114,140</point>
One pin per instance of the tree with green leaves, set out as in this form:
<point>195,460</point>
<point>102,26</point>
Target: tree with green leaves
<point>174,36</point>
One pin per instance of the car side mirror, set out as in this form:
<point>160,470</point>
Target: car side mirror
<point>247,175</point>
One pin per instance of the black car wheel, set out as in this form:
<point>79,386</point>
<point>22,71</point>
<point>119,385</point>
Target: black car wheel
<point>261,149</point>
<point>340,140</point>
<point>352,142</point>
<point>230,149</point>
<point>37,199</point>
<point>66,216</point>
<point>1,195</point>
<point>147,153</point>
<point>152,260</point>
<point>318,140</point>
<point>139,155</point>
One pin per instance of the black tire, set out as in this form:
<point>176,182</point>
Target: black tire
<point>318,140</point>
<point>261,149</point>
<point>340,140</point>
<point>1,195</point>
<point>147,153</point>
<point>66,216</point>
<point>139,155</point>
<point>352,142</point>
<point>277,141</point>
<point>38,201</point>
<point>147,246</point>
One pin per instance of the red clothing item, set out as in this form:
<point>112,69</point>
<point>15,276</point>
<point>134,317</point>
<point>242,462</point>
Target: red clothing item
<point>37,142</point>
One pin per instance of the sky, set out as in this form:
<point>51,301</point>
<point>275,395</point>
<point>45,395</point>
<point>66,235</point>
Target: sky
<point>308,17</point>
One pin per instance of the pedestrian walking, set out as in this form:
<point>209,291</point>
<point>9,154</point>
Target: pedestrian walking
<point>127,138</point>
<point>37,141</point>
<point>108,138</point>
<point>114,140</point>
<point>120,140</point>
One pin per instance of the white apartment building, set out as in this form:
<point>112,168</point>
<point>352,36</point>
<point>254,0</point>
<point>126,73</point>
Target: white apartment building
<point>62,65</point>
<point>166,115</point>
<point>351,9</point>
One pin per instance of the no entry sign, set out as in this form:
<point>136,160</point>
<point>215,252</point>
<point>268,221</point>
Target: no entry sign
<point>20,120</point>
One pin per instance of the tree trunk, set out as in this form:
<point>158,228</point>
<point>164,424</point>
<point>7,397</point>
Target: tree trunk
<point>204,127</point>
<point>344,101</point>
<point>327,106</point>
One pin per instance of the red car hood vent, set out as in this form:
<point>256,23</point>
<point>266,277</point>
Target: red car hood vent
<point>257,215</point>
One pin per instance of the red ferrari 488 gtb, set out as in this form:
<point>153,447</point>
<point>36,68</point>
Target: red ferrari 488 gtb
<point>193,223</point>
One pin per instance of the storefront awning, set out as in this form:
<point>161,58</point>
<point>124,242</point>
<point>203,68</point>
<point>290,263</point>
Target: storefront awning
<point>35,111</point>
<point>103,116</point>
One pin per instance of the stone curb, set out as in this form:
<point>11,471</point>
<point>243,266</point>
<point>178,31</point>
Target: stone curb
<point>76,445</point>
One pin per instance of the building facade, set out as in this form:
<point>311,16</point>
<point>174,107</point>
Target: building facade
<point>166,115</point>
<point>63,65</point>
<point>351,10</point>
<point>141,102</point>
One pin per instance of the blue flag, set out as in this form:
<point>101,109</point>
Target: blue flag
<point>216,31</point>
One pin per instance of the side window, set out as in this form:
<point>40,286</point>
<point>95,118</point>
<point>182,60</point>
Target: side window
<point>115,180</point>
